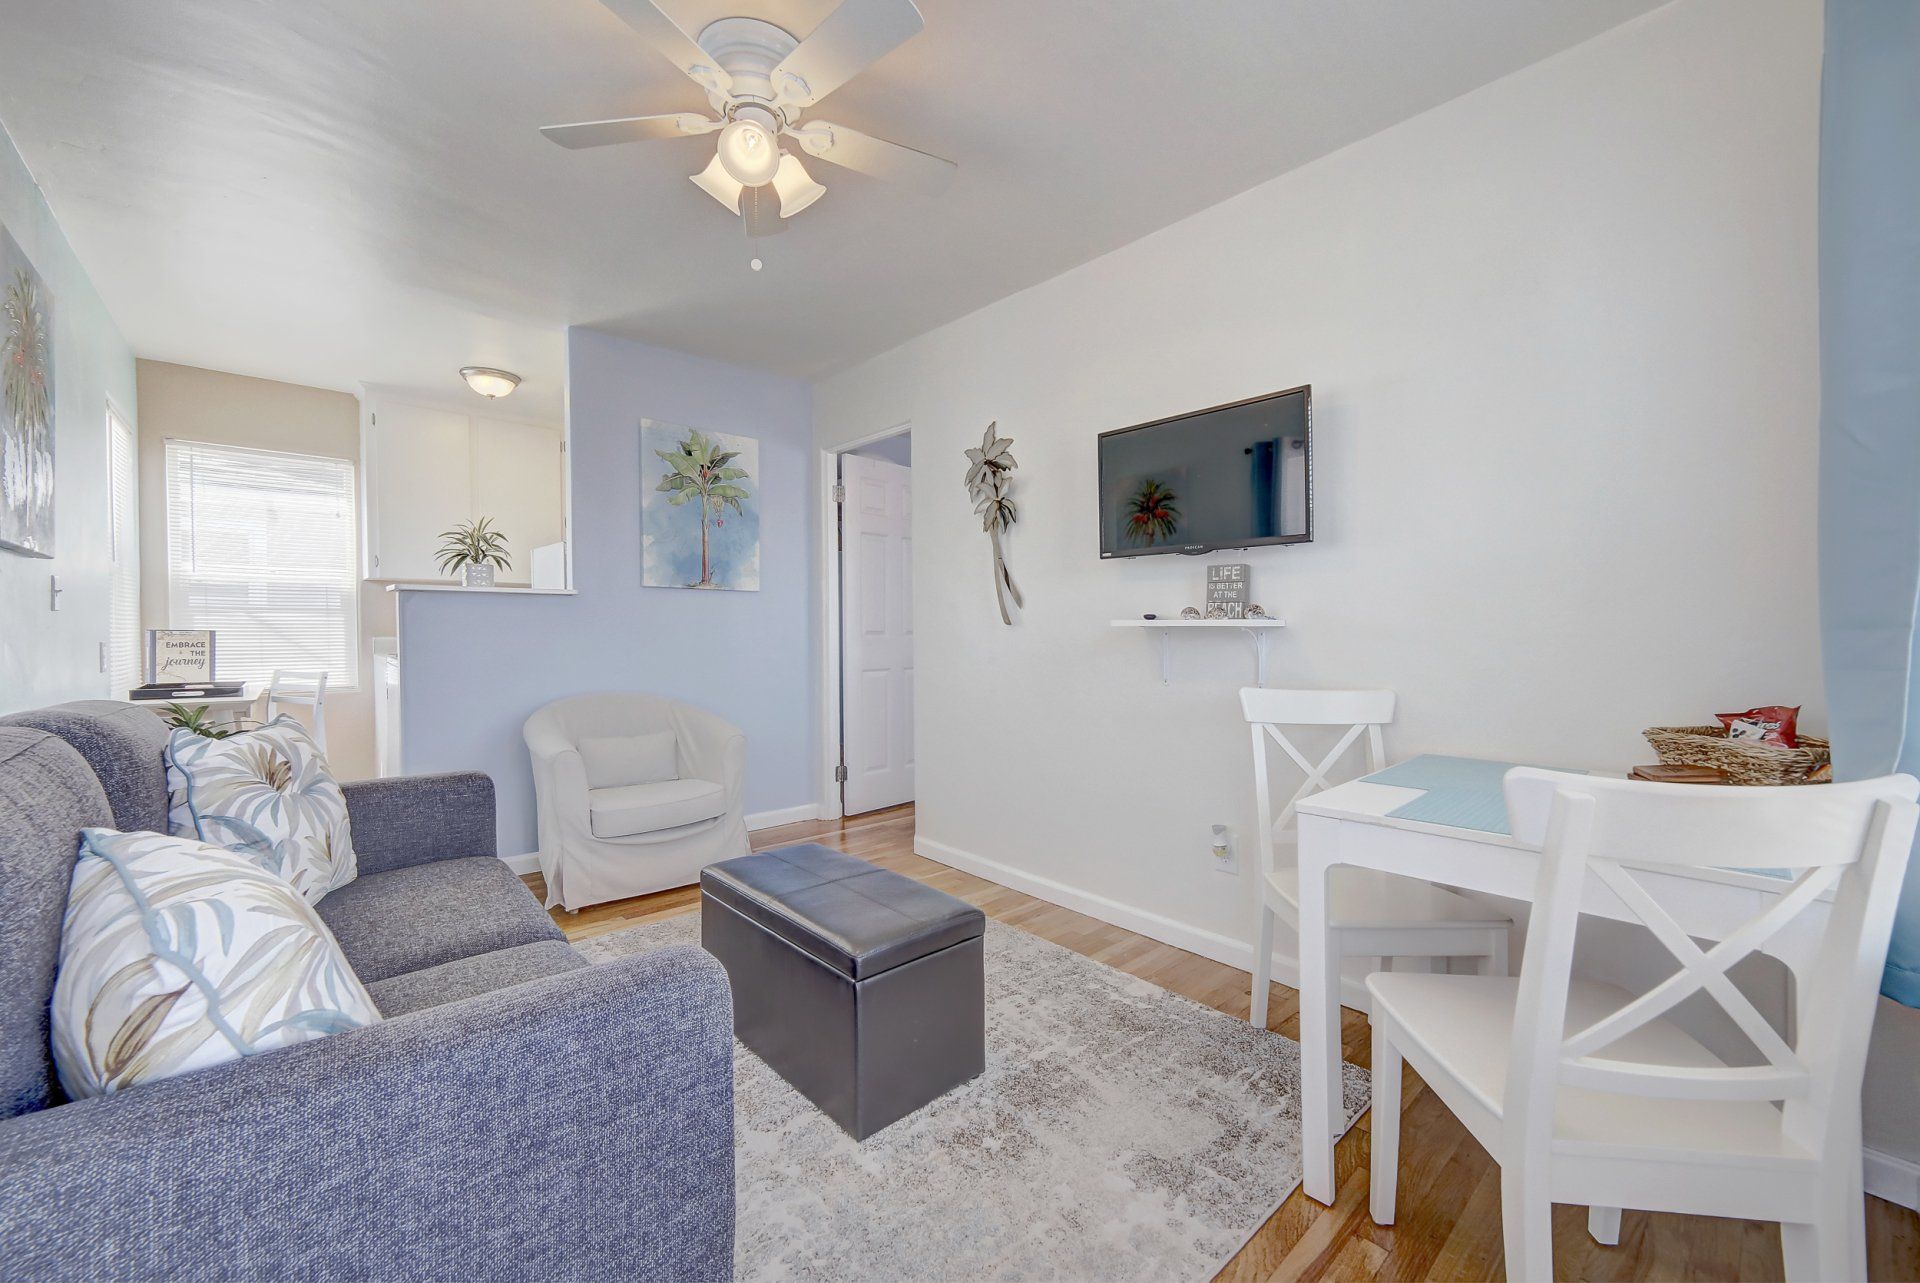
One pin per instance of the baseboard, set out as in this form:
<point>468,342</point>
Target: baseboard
<point>530,861</point>
<point>1208,944</point>
<point>1895,1179</point>
<point>786,815</point>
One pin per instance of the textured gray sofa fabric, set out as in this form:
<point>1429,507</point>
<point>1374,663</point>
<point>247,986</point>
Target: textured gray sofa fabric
<point>416,819</point>
<point>47,795</point>
<point>468,977</point>
<point>577,1127</point>
<point>125,745</point>
<point>425,914</point>
<point>519,1116</point>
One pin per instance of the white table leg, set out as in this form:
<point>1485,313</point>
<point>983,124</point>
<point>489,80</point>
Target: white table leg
<point>1320,1093</point>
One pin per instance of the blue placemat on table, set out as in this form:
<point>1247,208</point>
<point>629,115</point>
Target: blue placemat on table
<point>1461,792</point>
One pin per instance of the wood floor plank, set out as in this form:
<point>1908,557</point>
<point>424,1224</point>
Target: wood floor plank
<point>1448,1204</point>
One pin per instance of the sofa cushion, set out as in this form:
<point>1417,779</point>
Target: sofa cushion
<point>468,977</point>
<point>177,955</point>
<point>425,914</point>
<point>648,808</point>
<point>267,795</point>
<point>615,760</point>
<point>125,745</point>
<point>47,795</point>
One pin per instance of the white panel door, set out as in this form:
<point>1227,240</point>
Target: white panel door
<point>876,634</point>
<point>517,484</point>
<point>419,483</point>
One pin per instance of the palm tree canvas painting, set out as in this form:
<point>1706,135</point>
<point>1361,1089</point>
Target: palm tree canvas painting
<point>699,508</point>
<point>26,405</point>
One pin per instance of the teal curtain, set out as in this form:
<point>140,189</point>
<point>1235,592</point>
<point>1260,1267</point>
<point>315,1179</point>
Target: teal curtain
<point>1870,408</point>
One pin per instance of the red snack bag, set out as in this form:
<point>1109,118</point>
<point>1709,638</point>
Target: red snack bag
<point>1771,724</point>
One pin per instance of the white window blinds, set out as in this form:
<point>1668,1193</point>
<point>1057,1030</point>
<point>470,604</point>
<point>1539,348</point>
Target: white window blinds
<point>260,548</point>
<point>124,666</point>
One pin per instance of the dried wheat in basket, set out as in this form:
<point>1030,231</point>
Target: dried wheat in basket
<point>1744,761</point>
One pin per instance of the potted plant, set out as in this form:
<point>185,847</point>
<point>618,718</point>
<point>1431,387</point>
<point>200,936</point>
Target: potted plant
<point>475,549</point>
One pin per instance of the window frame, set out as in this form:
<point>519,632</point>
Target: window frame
<point>354,622</point>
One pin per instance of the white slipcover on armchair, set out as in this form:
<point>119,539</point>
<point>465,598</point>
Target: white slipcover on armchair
<point>637,793</point>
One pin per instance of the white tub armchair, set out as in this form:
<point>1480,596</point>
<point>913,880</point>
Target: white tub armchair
<point>637,793</point>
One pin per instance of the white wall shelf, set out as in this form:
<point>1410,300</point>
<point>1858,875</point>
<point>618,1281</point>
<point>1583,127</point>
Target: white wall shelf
<point>503,588</point>
<point>1256,631</point>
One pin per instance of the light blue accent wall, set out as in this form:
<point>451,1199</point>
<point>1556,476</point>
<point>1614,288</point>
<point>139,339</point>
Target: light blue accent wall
<point>49,656</point>
<point>475,665</point>
<point>1870,408</point>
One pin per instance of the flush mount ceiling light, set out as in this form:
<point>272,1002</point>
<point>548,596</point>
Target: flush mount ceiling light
<point>489,382</point>
<point>759,79</point>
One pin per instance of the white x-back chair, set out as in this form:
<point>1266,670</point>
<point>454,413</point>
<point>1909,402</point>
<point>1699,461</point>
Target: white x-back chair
<point>302,690</point>
<point>1584,1093</point>
<point>1369,914</point>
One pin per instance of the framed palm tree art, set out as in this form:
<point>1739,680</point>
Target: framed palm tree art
<point>699,508</point>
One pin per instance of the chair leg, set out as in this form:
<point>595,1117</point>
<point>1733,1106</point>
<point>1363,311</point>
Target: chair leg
<point>1495,963</point>
<point>1385,1134</point>
<point>1526,1215</point>
<point>1834,1245</point>
<point>1262,964</point>
<point>1603,1223</point>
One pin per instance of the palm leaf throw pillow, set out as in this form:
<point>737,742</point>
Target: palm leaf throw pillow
<point>268,795</point>
<point>176,955</point>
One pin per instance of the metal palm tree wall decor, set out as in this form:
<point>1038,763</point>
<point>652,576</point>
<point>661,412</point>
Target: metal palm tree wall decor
<point>988,485</point>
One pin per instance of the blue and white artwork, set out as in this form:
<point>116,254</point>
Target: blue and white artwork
<point>699,508</point>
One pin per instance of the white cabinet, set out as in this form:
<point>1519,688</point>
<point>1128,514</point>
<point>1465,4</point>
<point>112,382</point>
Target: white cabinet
<point>427,468</point>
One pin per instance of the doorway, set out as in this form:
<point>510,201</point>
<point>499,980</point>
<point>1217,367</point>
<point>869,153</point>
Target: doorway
<point>873,503</point>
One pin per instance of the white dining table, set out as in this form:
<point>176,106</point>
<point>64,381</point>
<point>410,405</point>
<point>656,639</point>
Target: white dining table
<point>1351,824</point>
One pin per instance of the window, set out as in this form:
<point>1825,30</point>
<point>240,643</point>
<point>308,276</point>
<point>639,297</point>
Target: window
<point>260,548</point>
<point>124,667</point>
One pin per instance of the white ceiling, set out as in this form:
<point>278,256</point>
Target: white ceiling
<point>342,191</point>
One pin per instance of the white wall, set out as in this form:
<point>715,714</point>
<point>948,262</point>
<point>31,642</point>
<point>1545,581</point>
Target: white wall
<point>1562,337</point>
<point>182,402</point>
<point>46,656</point>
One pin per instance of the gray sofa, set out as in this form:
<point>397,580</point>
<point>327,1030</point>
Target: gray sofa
<point>518,1115</point>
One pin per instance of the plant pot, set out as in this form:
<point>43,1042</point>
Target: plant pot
<point>477,576</point>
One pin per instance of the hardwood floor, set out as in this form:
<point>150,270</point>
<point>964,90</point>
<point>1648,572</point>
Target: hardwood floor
<point>1449,1198</point>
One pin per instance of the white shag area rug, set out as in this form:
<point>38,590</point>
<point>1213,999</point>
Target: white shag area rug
<point>1120,1132</point>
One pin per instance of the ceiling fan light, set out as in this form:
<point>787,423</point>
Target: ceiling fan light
<point>749,149</point>
<point>489,382</point>
<point>716,182</point>
<point>795,186</point>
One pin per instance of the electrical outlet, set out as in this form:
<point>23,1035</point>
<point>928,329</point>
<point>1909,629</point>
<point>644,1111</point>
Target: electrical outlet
<point>1220,847</point>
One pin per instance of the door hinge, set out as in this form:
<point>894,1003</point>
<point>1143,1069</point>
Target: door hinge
<point>840,773</point>
<point>839,493</point>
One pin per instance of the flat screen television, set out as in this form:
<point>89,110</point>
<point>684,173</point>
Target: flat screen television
<point>1234,476</point>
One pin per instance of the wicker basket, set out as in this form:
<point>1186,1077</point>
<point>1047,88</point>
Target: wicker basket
<point>1744,761</point>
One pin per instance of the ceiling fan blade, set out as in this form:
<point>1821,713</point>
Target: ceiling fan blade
<point>848,41</point>
<point>854,150</point>
<point>630,129</point>
<point>760,210</point>
<point>665,35</point>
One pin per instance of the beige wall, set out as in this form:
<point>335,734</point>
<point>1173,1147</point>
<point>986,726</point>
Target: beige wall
<point>182,403</point>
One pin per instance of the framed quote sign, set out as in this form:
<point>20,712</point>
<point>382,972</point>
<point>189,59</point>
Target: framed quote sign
<point>179,656</point>
<point>1227,591</point>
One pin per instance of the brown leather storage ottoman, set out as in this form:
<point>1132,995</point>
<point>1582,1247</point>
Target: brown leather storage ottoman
<point>864,989</point>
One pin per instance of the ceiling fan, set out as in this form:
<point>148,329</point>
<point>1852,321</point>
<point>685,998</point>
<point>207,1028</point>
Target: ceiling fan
<point>759,80</point>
